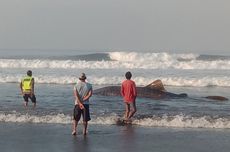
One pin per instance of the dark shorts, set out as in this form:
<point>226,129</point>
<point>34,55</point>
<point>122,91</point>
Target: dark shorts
<point>28,96</point>
<point>77,112</point>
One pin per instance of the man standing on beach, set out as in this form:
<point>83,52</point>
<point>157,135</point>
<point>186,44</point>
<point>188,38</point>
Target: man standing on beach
<point>129,93</point>
<point>27,89</point>
<point>82,93</point>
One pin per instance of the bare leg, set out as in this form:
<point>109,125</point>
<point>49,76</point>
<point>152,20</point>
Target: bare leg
<point>74,127</point>
<point>133,111</point>
<point>25,104</point>
<point>127,111</point>
<point>85,123</point>
<point>34,105</point>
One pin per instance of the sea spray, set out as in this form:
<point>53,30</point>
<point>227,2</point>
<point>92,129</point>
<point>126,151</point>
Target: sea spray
<point>176,121</point>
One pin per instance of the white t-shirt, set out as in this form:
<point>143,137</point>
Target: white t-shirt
<point>83,89</point>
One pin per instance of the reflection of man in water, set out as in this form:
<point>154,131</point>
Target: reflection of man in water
<point>27,89</point>
<point>129,93</point>
<point>82,93</point>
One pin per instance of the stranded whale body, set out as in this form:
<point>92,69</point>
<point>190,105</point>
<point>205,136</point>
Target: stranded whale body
<point>219,98</point>
<point>154,90</point>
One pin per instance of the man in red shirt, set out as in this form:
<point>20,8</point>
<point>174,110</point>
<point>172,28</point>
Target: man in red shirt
<point>129,93</point>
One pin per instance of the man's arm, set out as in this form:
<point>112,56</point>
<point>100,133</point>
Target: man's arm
<point>122,90</point>
<point>89,94</point>
<point>21,87</point>
<point>134,90</point>
<point>77,97</point>
<point>32,88</point>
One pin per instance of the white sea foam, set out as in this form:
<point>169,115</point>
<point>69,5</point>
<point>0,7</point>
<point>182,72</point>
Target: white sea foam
<point>25,118</point>
<point>123,60</point>
<point>116,80</point>
<point>172,69</point>
<point>150,57</point>
<point>178,121</point>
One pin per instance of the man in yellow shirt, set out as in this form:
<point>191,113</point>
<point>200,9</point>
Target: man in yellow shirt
<point>27,89</point>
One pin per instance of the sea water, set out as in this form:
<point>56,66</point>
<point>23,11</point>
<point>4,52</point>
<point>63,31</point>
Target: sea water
<point>189,119</point>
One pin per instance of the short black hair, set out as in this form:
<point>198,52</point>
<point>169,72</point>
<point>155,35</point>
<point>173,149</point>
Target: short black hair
<point>128,75</point>
<point>29,73</point>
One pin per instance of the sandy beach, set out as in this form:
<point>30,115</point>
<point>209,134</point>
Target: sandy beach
<point>53,137</point>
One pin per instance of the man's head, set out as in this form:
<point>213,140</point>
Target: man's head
<point>29,73</point>
<point>82,76</point>
<point>128,75</point>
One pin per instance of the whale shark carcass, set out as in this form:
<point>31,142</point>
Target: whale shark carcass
<point>154,90</point>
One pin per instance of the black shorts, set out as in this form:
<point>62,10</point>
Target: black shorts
<point>28,96</point>
<point>77,112</point>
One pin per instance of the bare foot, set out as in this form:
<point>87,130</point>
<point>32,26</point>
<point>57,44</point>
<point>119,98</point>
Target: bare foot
<point>25,104</point>
<point>85,132</point>
<point>127,121</point>
<point>74,133</point>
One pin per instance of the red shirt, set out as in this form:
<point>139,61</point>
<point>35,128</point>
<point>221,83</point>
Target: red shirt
<point>128,90</point>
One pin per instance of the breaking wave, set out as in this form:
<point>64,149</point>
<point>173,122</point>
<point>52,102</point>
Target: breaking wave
<point>124,60</point>
<point>177,121</point>
<point>223,81</point>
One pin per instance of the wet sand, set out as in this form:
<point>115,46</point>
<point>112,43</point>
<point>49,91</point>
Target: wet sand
<point>103,138</point>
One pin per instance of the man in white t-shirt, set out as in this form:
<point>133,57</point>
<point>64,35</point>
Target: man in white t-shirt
<point>82,93</point>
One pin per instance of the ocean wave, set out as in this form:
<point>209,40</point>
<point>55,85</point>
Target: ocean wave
<point>124,60</point>
<point>149,57</point>
<point>181,121</point>
<point>206,81</point>
<point>26,118</point>
<point>177,121</point>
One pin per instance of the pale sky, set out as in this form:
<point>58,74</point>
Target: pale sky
<point>194,25</point>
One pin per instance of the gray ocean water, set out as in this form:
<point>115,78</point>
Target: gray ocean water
<point>188,124</point>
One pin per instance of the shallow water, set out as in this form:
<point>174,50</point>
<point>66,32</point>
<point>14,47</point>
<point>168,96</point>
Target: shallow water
<point>181,125</point>
<point>55,105</point>
<point>102,138</point>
